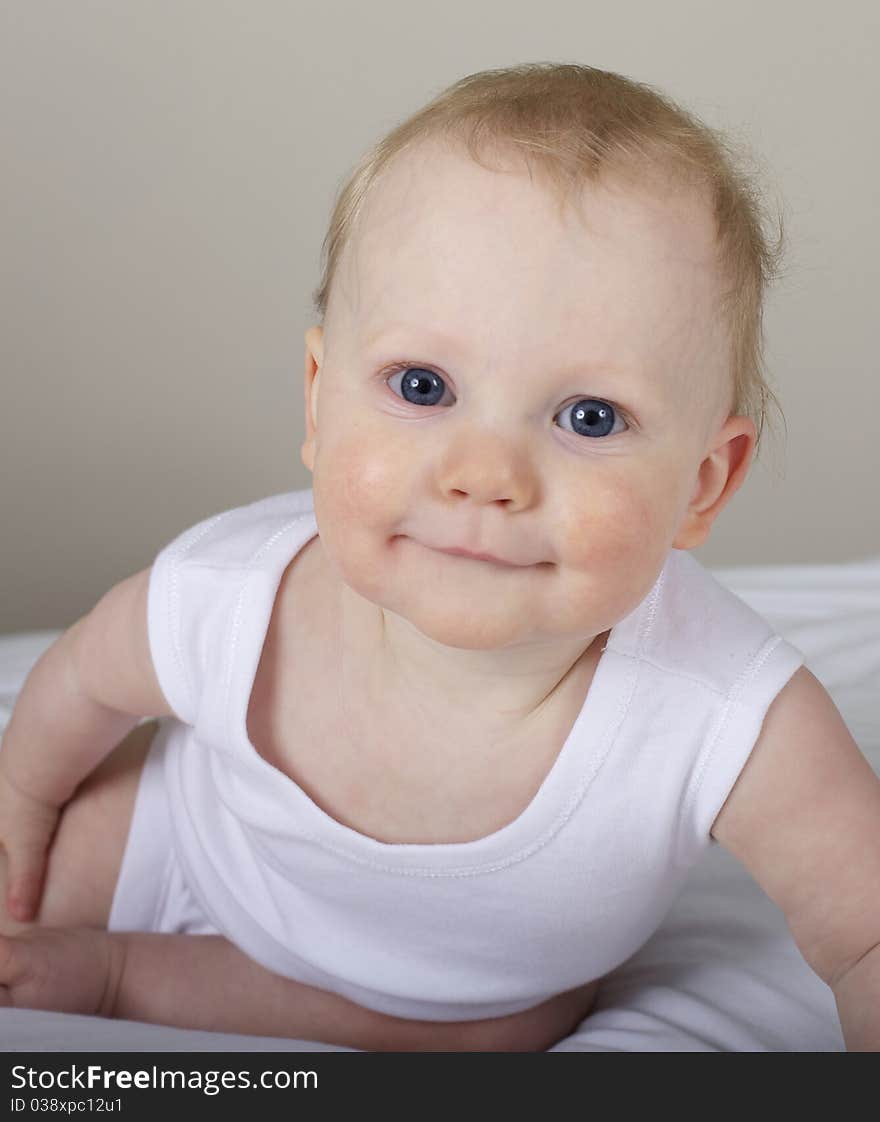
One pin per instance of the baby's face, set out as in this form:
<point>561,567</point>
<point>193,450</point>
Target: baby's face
<point>496,377</point>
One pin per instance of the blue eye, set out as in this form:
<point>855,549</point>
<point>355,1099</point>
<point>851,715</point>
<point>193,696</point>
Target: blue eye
<point>419,386</point>
<point>591,417</point>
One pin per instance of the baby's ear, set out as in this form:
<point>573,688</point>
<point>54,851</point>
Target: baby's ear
<point>314,358</point>
<point>720,476</point>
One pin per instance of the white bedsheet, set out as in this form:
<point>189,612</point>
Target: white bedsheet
<point>722,972</point>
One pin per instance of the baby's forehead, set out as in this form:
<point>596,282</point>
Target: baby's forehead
<point>436,168</point>
<point>436,204</point>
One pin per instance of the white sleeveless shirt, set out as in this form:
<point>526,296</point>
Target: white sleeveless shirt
<point>563,894</point>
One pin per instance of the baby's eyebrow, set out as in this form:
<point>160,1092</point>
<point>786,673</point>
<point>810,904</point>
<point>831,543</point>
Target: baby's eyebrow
<point>391,333</point>
<point>413,338</point>
<point>620,381</point>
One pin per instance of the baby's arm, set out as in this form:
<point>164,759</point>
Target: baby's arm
<point>804,818</point>
<point>86,692</point>
<point>190,981</point>
<point>205,982</point>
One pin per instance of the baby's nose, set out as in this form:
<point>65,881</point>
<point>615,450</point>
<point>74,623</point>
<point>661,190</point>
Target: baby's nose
<point>488,470</point>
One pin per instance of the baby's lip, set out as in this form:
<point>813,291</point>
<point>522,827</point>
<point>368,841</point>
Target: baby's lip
<point>478,555</point>
<point>458,552</point>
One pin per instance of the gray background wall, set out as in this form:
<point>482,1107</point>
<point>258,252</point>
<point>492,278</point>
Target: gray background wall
<point>169,168</point>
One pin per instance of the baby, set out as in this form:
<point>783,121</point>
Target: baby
<point>441,737</point>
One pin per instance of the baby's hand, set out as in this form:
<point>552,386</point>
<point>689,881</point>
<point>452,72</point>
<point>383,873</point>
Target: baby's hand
<point>72,970</point>
<point>27,825</point>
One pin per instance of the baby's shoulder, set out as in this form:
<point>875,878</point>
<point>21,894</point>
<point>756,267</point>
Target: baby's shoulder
<point>697,629</point>
<point>251,536</point>
<point>213,591</point>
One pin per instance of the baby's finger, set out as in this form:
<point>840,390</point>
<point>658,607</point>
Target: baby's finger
<point>13,967</point>
<point>24,886</point>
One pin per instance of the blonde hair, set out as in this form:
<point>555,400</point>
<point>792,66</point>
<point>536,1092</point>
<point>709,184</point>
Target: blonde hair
<point>570,123</point>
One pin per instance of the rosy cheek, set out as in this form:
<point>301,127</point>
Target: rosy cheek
<point>357,487</point>
<point>616,522</point>
<point>612,546</point>
<point>363,473</point>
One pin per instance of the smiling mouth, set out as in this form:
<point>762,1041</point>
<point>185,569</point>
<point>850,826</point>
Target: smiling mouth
<point>487,557</point>
<point>473,555</point>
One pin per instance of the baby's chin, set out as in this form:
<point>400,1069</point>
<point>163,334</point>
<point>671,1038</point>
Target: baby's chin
<point>470,635</point>
<point>465,626</point>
